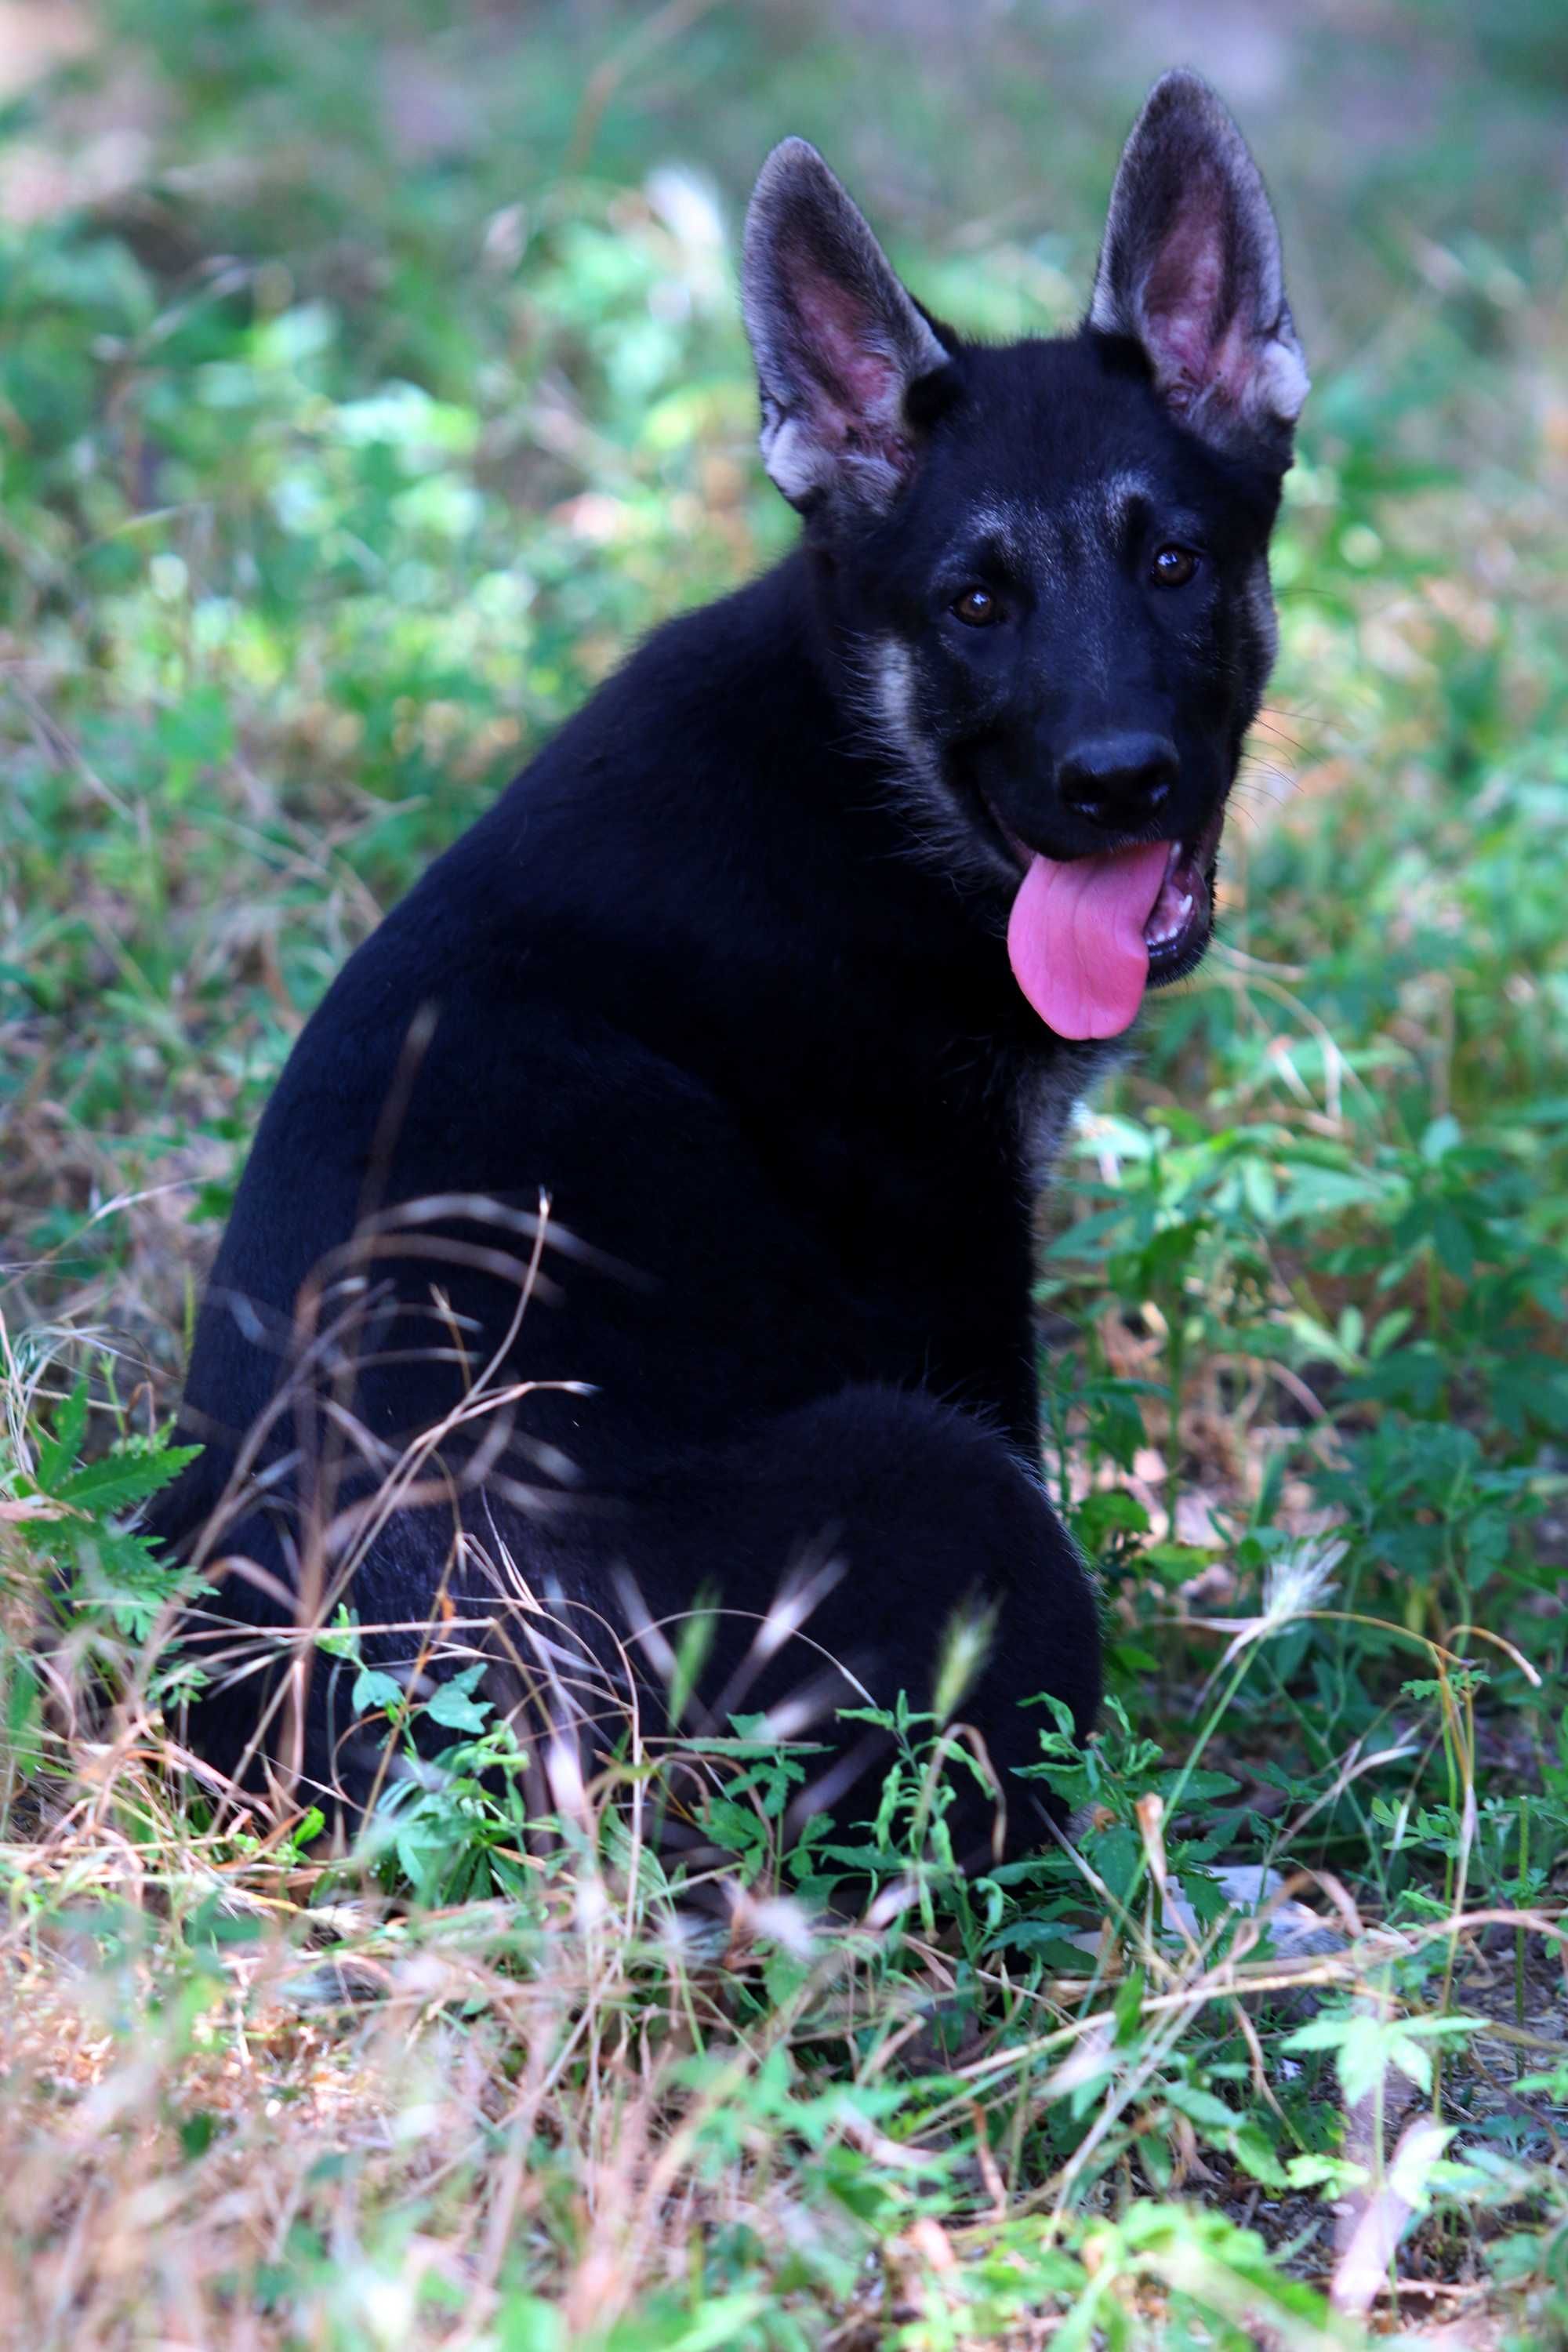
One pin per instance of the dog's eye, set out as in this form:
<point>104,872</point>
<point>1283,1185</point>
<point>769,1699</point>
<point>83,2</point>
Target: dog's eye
<point>1173,567</point>
<point>977,608</point>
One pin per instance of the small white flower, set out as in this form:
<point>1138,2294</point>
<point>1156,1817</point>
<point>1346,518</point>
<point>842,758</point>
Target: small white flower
<point>776,1917</point>
<point>1299,1579</point>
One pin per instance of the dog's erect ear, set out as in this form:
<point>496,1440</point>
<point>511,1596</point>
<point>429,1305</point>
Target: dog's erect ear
<point>837,339</point>
<point>1191,270</point>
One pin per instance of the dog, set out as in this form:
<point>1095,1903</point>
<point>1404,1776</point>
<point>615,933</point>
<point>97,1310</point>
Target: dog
<point>643,1221</point>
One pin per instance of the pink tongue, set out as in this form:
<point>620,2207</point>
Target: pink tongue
<point>1076,938</point>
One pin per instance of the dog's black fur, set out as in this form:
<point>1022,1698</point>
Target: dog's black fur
<point>724,974</point>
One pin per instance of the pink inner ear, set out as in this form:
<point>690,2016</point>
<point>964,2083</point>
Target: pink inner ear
<point>1196,348</point>
<point>860,384</point>
<point>1182,299</point>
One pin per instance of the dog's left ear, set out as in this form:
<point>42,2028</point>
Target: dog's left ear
<point>839,345</point>
<point>1191,270</point>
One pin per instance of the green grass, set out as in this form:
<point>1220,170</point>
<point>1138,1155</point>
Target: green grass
<point>369,381</point>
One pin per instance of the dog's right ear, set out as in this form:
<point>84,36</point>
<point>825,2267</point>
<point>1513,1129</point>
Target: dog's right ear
<point>1191,270</point>
<point>837,341</point>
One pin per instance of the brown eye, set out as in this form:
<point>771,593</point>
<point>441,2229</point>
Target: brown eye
<point>1173,567</point>
<point>977,608</point>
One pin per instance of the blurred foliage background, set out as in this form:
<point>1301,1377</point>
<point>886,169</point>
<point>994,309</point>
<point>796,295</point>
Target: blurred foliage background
<point>371,377</point>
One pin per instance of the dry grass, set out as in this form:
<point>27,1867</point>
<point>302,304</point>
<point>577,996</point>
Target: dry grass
<point>253,2096</point>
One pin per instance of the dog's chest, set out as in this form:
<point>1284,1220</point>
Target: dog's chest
<point>1047,1091</point>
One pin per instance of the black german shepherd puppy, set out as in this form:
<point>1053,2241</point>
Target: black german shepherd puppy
<point>778,972</point>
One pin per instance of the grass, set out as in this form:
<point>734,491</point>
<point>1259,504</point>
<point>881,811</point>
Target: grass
<point>369,381</point>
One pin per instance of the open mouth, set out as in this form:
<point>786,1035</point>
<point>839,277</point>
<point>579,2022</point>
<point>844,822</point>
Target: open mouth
<point>1182,917</point>
<point>1087,935</point>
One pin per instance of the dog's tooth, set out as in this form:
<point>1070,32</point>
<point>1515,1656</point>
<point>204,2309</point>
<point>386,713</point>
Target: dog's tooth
<point>1168,920</point>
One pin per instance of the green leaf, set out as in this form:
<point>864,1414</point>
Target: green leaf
<point>451,1706</point>
<point>1044,1941</point>
<point>1203,2107</point>
<point>1255,2156</point>
<point>1128,2007</point>
<point>735,1827</point>
<point>525,2322</point>
<point>1366,2046</point>
<point>57,1456</point>
<point>374,1690</point>
<point>117,1480</point>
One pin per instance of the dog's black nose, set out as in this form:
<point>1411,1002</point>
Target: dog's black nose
<point>1116,779</point>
